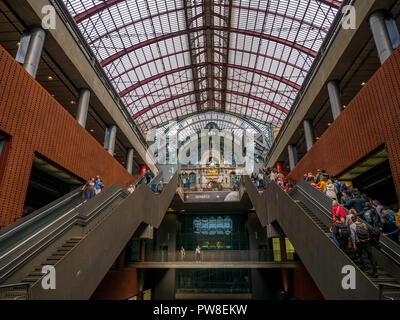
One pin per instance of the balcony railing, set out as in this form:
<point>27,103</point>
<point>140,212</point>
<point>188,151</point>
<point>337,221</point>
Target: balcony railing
<point>218,256</point>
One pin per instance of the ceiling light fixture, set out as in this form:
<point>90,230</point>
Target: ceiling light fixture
<point>50,78</point>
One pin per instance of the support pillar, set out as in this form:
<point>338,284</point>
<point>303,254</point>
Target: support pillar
<point>142,250</point>
<point>111,135</point>
<point>308,133</point>
<point>129,160</point>
<point>34,52</point>
<point>292,156</point>
<point>335,99</point>
<point>83,107</point>
<point>385,33</point>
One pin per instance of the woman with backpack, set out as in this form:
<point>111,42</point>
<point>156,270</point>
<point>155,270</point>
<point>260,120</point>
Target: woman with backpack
<point>340,232</point>
<point>330,190</point>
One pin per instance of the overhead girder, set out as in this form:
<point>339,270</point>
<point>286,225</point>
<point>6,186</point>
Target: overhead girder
<point>158,76</point>
<point>142,44</point>
<point>248,120</point>
<point>195,74</point>
<point>215,47</point>
<point>228,21</point>
<point>182,95</point>
<point>202,79</point>
<point>78,18</point>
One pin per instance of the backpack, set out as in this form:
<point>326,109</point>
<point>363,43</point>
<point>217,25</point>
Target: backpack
<point>343,231</point>
<point>362,233</point>
<point>369,215</point>
<point>391,216</point>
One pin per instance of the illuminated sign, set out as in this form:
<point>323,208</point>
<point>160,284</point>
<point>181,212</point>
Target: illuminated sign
<point>212,172</point>
<point>213,226</point>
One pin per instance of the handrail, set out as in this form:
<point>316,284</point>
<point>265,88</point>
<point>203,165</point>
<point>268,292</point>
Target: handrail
<point>315,249</point>
<point>18,286</point>
<point>322,201</point>
<point>38,214</point>
<point>81,214</point>
<point>382,286</point>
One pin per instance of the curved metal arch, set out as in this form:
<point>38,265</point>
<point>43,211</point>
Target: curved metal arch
<point>220,5</point>
<point>202,79</point>
<point>160,75</point>
<point>242,94</point>
<point>216,47</point>
<point>217,120</point>
<point>260,35</point>
<point>248,120</point>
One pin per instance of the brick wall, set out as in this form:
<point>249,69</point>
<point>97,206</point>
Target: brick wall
<point>36,122</point>
<point>371,120</point>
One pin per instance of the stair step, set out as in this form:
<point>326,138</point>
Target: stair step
<point>31,279</point>
<point>56,258</point>
<point>68,245</point>
<point>59,254</point>
<point>36,274</point>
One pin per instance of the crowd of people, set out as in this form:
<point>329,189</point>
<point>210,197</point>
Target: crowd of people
<point>266,175</point>
<point>365,220</point>
<point>92,187</point>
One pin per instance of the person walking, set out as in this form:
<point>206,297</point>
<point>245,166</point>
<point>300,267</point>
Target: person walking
<point>183,254</point>
<point>197,253</point>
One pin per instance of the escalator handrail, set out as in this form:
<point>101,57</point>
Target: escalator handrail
<point>44,211</point>
<point>273,199</point>
<point>9,262</point>
<point>314,195</point>
<point>38,214</point>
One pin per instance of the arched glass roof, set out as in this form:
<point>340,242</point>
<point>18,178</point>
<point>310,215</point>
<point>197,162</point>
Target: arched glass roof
<point>174,59</point>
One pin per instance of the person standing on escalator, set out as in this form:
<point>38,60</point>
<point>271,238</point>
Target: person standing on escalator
<point>360,237</point>
<point>147,176</point>
<point>90,188</point>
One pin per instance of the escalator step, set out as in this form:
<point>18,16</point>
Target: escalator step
<point>31,279</point>
<point>68,245</point>
<point>35,274</point>
<point>51,259</point>
<point>59,254</point>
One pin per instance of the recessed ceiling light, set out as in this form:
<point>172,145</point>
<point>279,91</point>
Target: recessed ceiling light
<point>329,124</point>
<point>91,130</point>
<point>344,107</point>
<point>317,138</point>
<point>363,84</point>
<point>72,102</point>
<point>18,44</point>
<point>50,78</point>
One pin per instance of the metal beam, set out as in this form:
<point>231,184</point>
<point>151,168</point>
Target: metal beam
<point>195,74</point>
<point>215,47</point>
<point>248,95</point>
<point>158,76</point>
<point>269,37</point>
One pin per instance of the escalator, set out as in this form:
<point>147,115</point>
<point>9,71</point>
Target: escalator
<point>80,239</point>
<point>304,215</point>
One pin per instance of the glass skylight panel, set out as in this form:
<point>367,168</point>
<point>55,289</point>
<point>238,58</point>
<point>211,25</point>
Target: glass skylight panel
<point>144,48</point>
